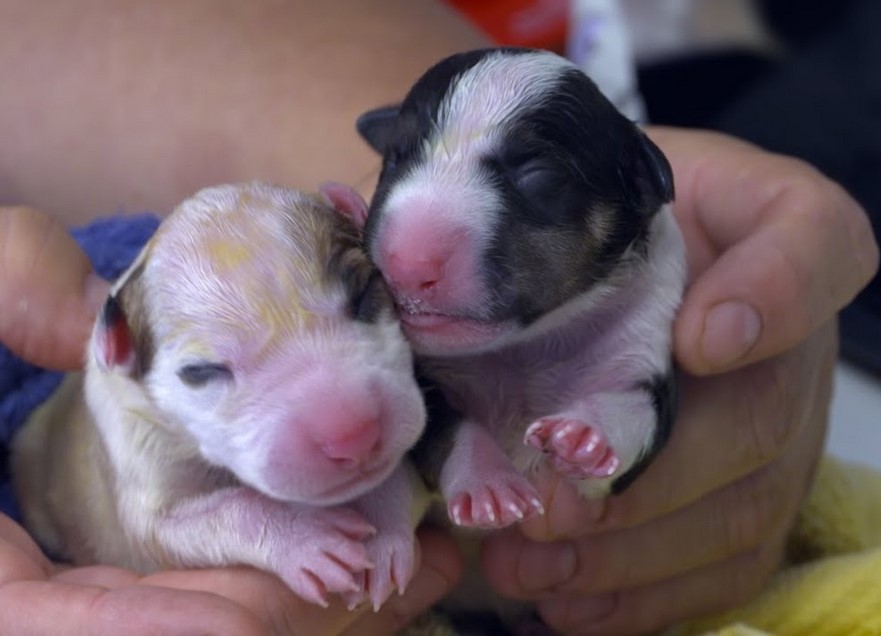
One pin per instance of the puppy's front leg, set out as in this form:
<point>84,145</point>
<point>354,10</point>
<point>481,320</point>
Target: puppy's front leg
<point>313,550</point>
<point>606,439</point>
<point>394,508</point>
<point>480,484</point>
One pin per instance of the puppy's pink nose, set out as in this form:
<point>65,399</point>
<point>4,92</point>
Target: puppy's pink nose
<point>415,274</point>
<point>359,443</point>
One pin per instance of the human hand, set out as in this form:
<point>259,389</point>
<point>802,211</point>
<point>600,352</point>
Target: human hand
<point>37,597</point>
<point>48,290</point>
<point>705,526</point>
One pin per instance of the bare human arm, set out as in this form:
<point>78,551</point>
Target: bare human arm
<point>125,105</point>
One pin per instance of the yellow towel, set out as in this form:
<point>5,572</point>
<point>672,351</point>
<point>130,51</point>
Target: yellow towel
<point>835,588</point>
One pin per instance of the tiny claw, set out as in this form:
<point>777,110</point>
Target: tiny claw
<point>613,466</point>
<point>355,604</point>
<point>318,598</point>
<point>538,506</point>
<point>563,433</point>
<point>592,443</point>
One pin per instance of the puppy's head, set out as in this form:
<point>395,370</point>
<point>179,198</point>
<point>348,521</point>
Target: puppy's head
<point>256,325</point>
<point>509,186</point>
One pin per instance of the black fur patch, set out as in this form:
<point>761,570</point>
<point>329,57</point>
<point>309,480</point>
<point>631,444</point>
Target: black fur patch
<point>576,169</point>
<point>442,422</point>
<point>665,399</point>
<point>347,261</point>
<point>372,300</point>
<point>401,137</point>
<point>579,182</point>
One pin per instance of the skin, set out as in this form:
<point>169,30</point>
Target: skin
<point>224,91</point>
<point>257,111</point>
<point>98,601</point>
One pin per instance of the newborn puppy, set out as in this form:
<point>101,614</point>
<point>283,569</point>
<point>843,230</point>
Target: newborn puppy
<point>246,378</point>
<point>524,228</point>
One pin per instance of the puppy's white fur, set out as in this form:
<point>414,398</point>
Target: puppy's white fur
<point>141,470</point>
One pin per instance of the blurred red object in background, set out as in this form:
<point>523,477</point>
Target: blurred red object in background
<point>533,23</point>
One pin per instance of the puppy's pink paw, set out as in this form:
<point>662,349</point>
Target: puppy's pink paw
<point>323,551</point>
<point>575,449</point>
<point>393,554</point>
<point>494,501</point>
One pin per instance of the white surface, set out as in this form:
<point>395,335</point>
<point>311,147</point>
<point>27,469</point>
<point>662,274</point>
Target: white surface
<point>855,419</point>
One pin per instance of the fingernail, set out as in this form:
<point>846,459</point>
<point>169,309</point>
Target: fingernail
<point>731,329</point>
<point>545,566</point>
<point>578,611</point>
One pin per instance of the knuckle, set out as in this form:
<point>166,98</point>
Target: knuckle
<point>861,239</point>
<point>600,567</point>
<point>769,421</point>
<point>809,198</point>
<point>812,200</point>
<point>753,510</point>
<point>750,575</point>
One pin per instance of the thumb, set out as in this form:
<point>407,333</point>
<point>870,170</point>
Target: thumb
<point>775,250</point>
<point>48,290</point>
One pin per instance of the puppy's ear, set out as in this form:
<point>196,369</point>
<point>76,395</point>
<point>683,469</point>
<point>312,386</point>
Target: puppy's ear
<point>113,343</point>
<point>654,173</point>
<point>345,200</point>
<point>120,342</point>
<point>377,127</point>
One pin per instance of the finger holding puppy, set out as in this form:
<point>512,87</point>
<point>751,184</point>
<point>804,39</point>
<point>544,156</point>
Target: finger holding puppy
<point>775,249</point>
<point>48,290</point>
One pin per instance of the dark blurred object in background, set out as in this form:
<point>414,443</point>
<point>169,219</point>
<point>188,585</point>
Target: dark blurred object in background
<point>799,22</point>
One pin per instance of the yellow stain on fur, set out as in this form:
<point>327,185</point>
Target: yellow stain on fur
<point>228,255</point>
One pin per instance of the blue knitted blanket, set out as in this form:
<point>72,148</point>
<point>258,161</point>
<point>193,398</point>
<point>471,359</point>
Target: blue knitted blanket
<point>111,244</point>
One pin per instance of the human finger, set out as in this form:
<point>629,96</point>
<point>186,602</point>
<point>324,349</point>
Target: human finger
<point>259,594</point>
<point>47,288</point>
<point>775,249</point>
<point>31,603</point>
<point>733,520</point>
<point>14,536</point>
<point>278,609</point>
<point>643,610</point>
<point>39,607</point>
<point>285,614</point>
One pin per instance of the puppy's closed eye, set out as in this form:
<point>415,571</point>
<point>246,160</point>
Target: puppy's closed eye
<point>199,374</point>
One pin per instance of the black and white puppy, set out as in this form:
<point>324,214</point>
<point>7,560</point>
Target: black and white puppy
<point>525,230</point>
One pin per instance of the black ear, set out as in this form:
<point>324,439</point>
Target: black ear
<point>657,169</point>
<point>113,342</point>
<point>377,126</point>
<point>122,339</point>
